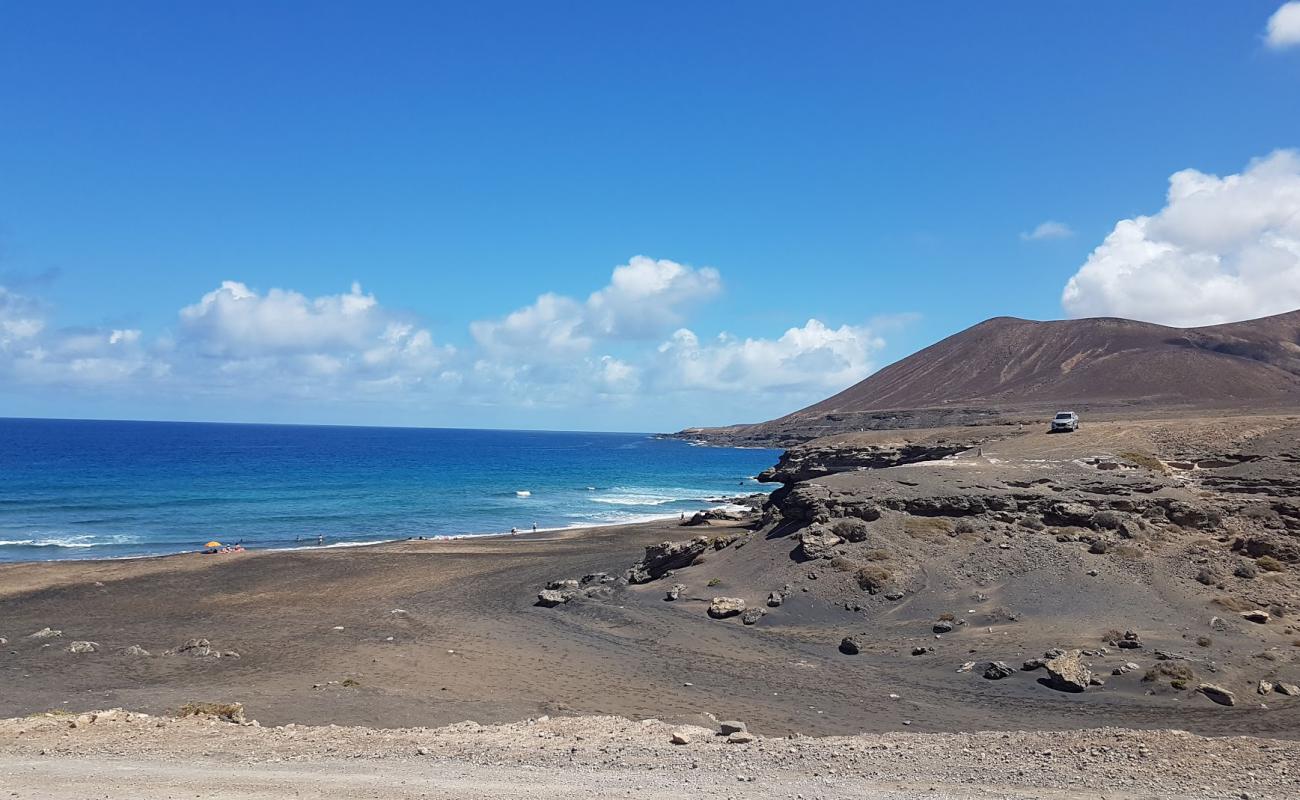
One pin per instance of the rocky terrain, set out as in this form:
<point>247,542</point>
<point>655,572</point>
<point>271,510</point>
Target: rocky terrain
<point>1015,370</point>
<point>1151,568</point>
<point>118,754</point>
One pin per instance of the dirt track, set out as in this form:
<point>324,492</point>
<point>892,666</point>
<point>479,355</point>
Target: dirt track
<point>118,755</point>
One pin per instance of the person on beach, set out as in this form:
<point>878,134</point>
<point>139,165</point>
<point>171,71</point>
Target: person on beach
<point>514,531</point>
<point>534,527</point>
<point>320,539</point>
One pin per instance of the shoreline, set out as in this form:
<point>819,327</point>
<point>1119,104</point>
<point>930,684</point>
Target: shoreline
<point>305,547</point>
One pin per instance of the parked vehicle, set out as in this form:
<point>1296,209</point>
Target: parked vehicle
<point>1065,421</point>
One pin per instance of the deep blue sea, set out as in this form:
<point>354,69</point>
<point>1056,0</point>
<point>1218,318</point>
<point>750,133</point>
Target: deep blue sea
<point>93,489</point>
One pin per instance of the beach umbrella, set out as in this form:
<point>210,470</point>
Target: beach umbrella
<point>212,544</point>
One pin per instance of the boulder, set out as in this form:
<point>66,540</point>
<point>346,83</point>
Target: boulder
<point>660,558</point>
<point>1067,672</point>
<point>850,645</point>
<point>740,737</point>
<point>816,543</point>
<point>727,727</point>
<point>1258,616</point>
<point>1218,694</point>
<point>675,592</point>
<point>723,607</point>
<point>1264,687</point>
<point>83,647</point>
<point>135,650</point>
<point>1288,689</point>
<point>1068,514</point>
<point>775,599</point>
<point>198,648</point>
<point>942,626</point>
<point>752,615</point>
<point>45,633</point>
<point>997,670</point>
<point>1187,515</point>
<point>550,598</point>
<point>1131,641</point>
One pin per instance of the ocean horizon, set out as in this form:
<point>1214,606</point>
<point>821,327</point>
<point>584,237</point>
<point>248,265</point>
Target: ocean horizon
<point>76,489</point>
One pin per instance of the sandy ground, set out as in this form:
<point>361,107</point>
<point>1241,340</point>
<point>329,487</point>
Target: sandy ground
<point>120,755</point>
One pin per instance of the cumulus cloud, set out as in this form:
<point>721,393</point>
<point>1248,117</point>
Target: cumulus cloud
<point>286,336</point>
<point>1284,26</point>
<point>644,298</point>
<point>31,351</point>
<point>1221,249</point>
<point>1047,230</point>
<point>813,358</point>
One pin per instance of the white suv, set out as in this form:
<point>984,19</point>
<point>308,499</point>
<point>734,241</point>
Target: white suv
<point>1065,421</point>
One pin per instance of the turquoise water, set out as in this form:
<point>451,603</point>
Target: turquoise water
<point>90,489</point>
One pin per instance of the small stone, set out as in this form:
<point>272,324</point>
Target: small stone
<point>997,670</point>
<point>753,615</point>
<point>942,626</point>
<point>83,647</point>
<point>775,599</point>
<point>422,751</point>
<point>740,737</point>
<point>675,591</point>
<point>1257,616</point>
<point>45,633</point>
<point>730,726</point>
<point>850,646</point>
<point>920,651</point>
<point>1264,687</point>
<point>1288,689</point>
<point>680,737</point>
<point>967,667</point>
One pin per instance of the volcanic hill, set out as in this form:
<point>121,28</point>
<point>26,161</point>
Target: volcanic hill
<point>1006,366</point>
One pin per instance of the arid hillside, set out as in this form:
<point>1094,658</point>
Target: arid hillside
<point>1007,367</point>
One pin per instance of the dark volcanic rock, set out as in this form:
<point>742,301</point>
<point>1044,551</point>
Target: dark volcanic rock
<point>661,558</point>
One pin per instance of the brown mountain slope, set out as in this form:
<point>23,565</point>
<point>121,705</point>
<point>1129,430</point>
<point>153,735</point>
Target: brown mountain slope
<point>1005,365</point>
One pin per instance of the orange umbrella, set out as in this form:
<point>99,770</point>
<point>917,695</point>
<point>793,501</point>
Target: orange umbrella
<point>212,544</point>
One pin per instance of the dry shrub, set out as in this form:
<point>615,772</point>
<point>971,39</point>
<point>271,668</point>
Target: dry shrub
<point>1128,551</point>
<point>843,564</point>
<point>876,555</point>
<point>927,527</point>
<point>964,526</point>
<point>1145,461</point>
<point>850,529</point>
<point>948,616</point>
<point>1112,635</point>
<point>1178,674</point>
<point>1204,641</point>
<point>1270,564</point>
<point>1233,603</point>
<point>873,578</point>
<point>231,712</point>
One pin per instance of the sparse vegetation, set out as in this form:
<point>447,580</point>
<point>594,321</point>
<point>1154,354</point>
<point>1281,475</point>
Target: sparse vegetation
<point>843,564</point>
<point>876,555</point>
<point>1270,564</point>
<point>1128,551</point>
<point>948,616</point>
<point>1178,674</point>
<point>964,526</point>
<point>873,578</point>
<point>231,712</point>
<point>927,527</point>
<point>850,529</point>
<point>1204,641</point>
<point>349,682</point>
<point>714,582</point>
<point>1233,603</point>
<point>1145,461</point>
<point>1112,635</point>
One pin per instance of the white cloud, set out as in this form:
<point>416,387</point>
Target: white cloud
<point>299,343</point>
<point>1222,249</point>
<point>645,297</point>
<point>810,359</point>
<point>1284,26</point>
<point>1047,230</point>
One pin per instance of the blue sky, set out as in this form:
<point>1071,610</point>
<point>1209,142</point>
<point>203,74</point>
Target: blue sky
<point>879,169</point>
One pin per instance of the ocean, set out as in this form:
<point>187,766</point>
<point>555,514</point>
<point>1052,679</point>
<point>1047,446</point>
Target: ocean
<point>99,489</point>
